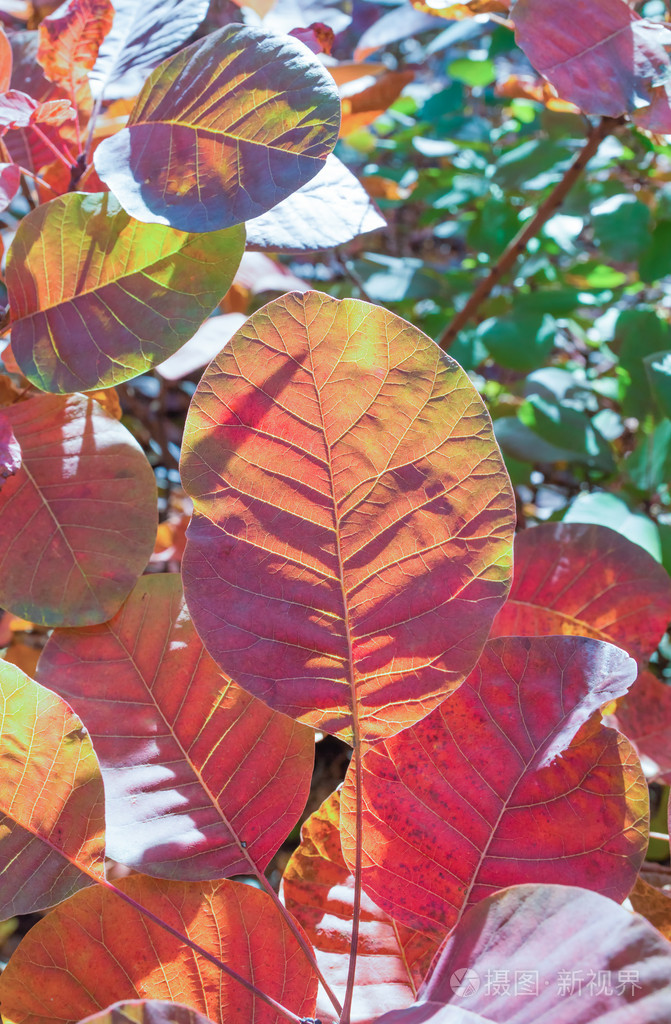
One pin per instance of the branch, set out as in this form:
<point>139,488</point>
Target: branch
<point>530,229</point>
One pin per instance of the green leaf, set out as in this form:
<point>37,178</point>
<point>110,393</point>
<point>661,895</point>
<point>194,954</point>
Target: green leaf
<point>472,72</point>
<point>621,227</point>
<point>606,509</point>
<point>655,260</point>
<point>638,333</point>
<point>649,465</point>
<point>97,297</point>
<point>223,131</point>
<point>658,369</point>
<point>519,341</point>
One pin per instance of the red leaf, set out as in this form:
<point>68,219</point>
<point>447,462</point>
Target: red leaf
<point>51,798</point>
<point>5,61</point>
<point>582,959</point>
<point>54,112</point>
<point>644,716</point>
<point>586,580</point>
<point>598,54</point>
<point>318,37</point>
<point>10,449</point>
<point>16,110</point>
<point>352,530</point>
<point>70,39</point>
<point>150,696</point>
<point>113,953</point>
<point>146,1011</point>
<point>512,779</point>
<point>80,513</point>
<point>318,889</point>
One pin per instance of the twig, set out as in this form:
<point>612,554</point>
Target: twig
<point>516,247</point>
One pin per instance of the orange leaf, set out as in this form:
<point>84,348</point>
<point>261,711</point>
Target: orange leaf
<point>70,38</point>
<point>51,798</point>
<point>114,953</point>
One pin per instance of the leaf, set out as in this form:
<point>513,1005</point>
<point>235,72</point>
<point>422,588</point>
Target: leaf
<point>150,696</point>
<point>318,889</point>
<point>146,1011</point>
<point>362,107</point>
<point>658,369</point>
<point>10,450</point>
<point>206,343</point>
<point>70,39</point>
<point>586,580</point>
<point>98,298</point>
<point>16,110</point>
<point>513,779</point>
<point>352,523</point>
<point>5,61</point>
<point>51,799</point>
<point>584,960</point>
<point>118,954</point>
<point>644,716</point>
<point>79,516</point>
<point>330,210</point>
<point>606,509</point>
<point>598,54</point>
<point>654,904</point>
<point>223,131</point>
<point>142,35</point>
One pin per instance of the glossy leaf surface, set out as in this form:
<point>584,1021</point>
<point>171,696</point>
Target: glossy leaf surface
<point>330,210</point>
<point>150,697</point>
<point>352,532</point>
<point>513,779</point>
<point>70,39</point>
<point>86,494</point>
<point>545,936</point>
<point>318,889</point>
<point>644,716</point>
<point>599,54</point>
<point>51,798</point>
<point>223,131</point>
<point>143,35</point>
<point>586,580</point>
<point>97,298</point>
<point>118,954</point>
<point>146,1011</point>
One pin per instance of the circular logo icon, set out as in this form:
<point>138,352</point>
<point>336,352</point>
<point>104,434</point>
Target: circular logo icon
<point>465,982</point>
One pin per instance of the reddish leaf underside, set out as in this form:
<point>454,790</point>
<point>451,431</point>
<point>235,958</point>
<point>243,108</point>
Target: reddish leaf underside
<point>51,798</point>
<point>353,518</point>
<point>586,580</point>
<point>512,779</point>
<point>318,889</point>
<point>151,697</point>
<point>644,716</point>
<point>70,39</point>
<point>113,953</point>
<point>223,131</point>
<point>79,516</point>
<point>97,298</point>
<point>560,948</point>
<point>10,450</point>
<point>146,1011</point>
<point>598,54</point>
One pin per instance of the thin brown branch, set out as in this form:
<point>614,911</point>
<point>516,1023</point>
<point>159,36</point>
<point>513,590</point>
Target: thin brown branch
<point>530,229</point>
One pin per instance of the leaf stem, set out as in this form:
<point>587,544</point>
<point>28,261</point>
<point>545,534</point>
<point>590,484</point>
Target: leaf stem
<point>202,952</point>
<point>530,229</point>
<point>54,149</point>
<point>356,914</point>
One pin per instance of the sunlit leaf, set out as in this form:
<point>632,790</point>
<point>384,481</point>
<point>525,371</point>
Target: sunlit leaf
<point>567,956</point>
<point>598,54</point>
<point>5,61</point>
<point>142,35</point>
<point>117,954</point>
<point>150,696</point>
<point>513,779</point>
<point>586,580</point>
<point>10,450</point>
<point>653,902</point>
<point>97,297</point>
<point>330,210</point>
<point>351,540</point>
<point>644,716</point>
<point>223,131</point>
<point>51,798</point>
<point>70,39</point>
<point>79,516</point>
<point>146,1011</point>
<point>318,889</point>
<point>19,110</point>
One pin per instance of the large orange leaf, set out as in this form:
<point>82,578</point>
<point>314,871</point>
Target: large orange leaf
<point>352,534</point>
<point>95,949</point>
<point>318,889</point>
<point>223,131</point>
<point>586,580</point>
<point>150,697</point>
<point>513,779</point>
<point>547,954</point>
<point>78,516</point>
<point>51,798</point>
<point>69,39</point>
